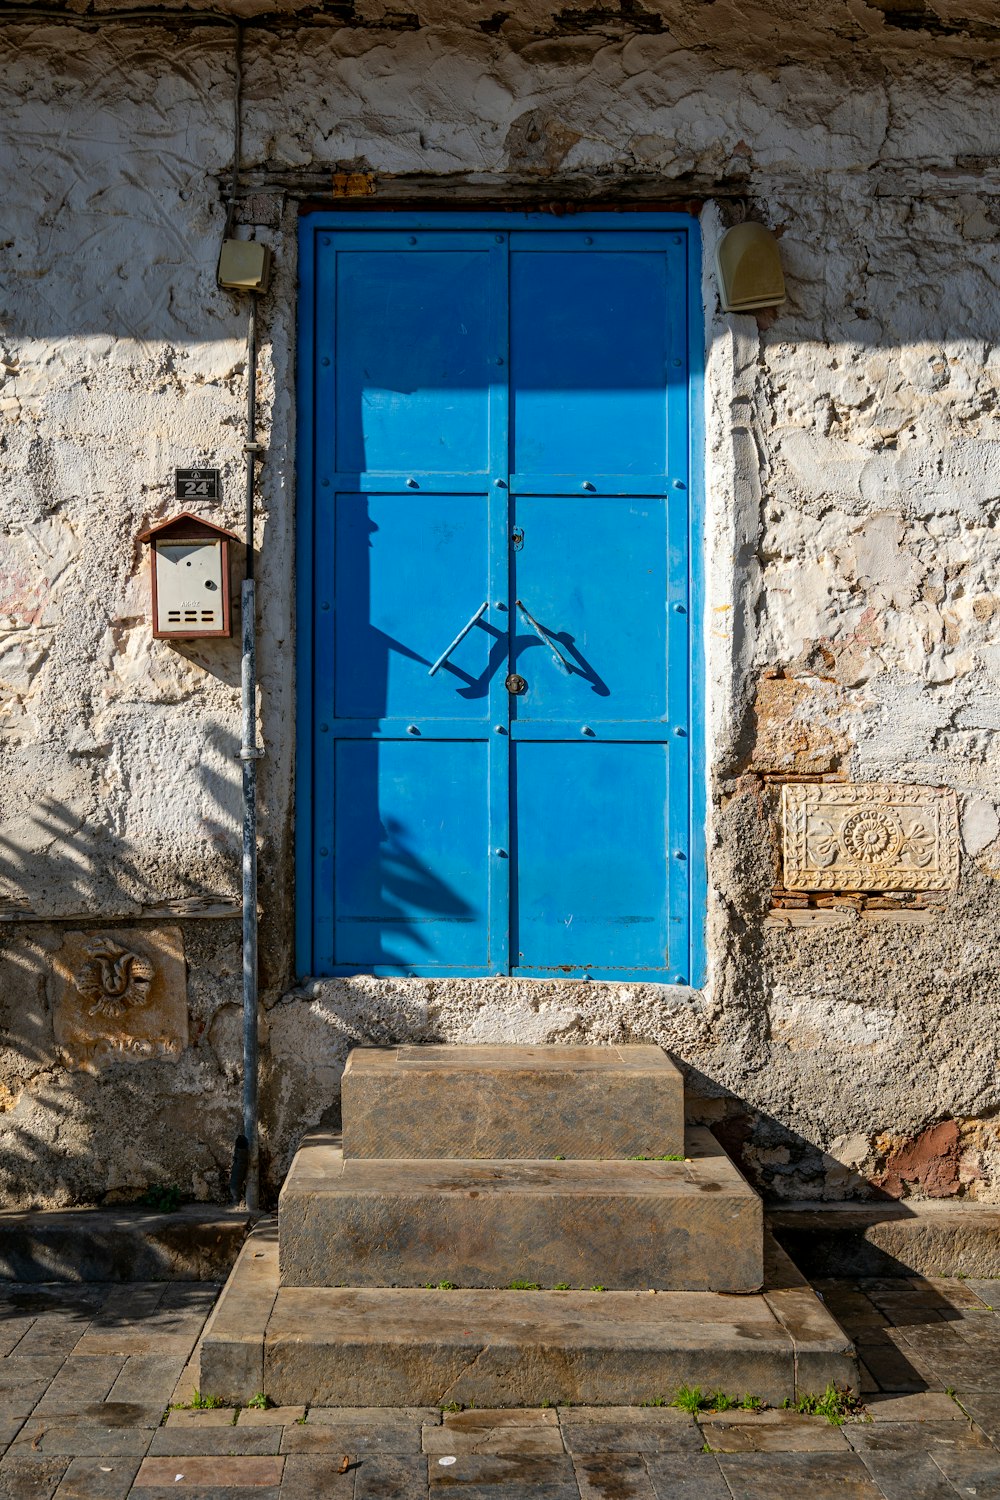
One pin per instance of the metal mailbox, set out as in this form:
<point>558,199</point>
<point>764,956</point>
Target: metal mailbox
<point>190,576</point>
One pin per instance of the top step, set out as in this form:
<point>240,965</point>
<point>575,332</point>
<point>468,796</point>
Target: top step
<point>512,1103</point>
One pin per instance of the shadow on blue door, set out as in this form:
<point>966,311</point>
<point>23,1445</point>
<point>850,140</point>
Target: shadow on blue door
<point>494,596</point>
<point>386,889</point>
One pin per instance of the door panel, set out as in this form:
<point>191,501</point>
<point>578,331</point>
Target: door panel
<point>593,573</point>
<point>590,339</point>
<point>412,825</point>
<point>413,359</point>
<point>589,835</point>
<point>393,622</point>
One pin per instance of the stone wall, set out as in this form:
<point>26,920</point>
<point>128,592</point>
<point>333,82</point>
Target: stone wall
<point>843,1043</point>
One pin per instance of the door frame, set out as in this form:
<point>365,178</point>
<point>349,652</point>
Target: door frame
<point>315,222</point>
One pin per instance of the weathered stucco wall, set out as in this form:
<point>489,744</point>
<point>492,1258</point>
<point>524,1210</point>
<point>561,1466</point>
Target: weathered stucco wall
<point>852,625</point>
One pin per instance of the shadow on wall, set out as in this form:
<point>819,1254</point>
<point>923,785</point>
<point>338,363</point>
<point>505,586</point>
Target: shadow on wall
<point>61,859</point>
<point>131,1085</point>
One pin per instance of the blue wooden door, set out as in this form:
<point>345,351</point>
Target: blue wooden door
<point>494,659</point>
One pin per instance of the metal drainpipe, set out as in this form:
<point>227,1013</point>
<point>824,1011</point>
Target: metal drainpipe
<point>250,753</point>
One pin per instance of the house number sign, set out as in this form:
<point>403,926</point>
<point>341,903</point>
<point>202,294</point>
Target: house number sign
<point>196,484</point>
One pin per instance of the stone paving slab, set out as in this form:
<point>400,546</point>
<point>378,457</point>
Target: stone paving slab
<point>477,1420</point>
<point>350,1437</point>
<point>270,1416</point>
<point>81,1439</point>
<point>148,1377</point>
<point>519,1440</point>
<point>631,1416</point>
<point>205,1492</point>
<point>30,1478</point>
<point>921,1406</point>
<point>112,1413</point>
<point>477,1474</point>
<point>98,1479</point>
<point>220,1416</point>
<point>928,1437</point>
<point>691,1476</point>
<point>82,1379</point>
<point>971,1472</point>
<point>984,1410</point>
<point>215,1440</point>
<point>310,1476</point>
<point>223,1473</point>
<point>384,1417</point>
<point>18,1401</point>
<point>623,1475</point>
<point>390,1476</point>
<point>785,1437</point>
<point>650,1437</point>
<point>907,1476</point>
<point>786,1476</point>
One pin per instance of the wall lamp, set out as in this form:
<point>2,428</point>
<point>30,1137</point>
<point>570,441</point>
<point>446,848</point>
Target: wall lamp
<point>749,269</point>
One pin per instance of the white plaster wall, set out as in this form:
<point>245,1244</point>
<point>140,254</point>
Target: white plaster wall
<point>853,493</point>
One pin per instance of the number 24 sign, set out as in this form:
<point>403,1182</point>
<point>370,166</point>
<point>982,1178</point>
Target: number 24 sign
<point>196,484</point>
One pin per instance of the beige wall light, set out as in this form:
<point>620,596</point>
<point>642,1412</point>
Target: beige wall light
<point>749,268</point>
<point>244,266</point>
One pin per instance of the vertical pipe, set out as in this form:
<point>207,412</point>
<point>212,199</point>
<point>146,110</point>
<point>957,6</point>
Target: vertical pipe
<point>249,754</point>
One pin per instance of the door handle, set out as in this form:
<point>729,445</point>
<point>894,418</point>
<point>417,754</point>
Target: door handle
<point>460,637</point>
<point>546,639</point>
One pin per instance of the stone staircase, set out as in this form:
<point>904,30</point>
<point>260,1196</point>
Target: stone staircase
<point>508,1226</point>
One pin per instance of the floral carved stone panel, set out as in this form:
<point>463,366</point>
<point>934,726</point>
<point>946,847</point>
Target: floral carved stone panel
<point>120,996</point>
<point>877,837</point>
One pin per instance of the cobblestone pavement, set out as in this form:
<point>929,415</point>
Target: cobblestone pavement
<point>89,1376</point>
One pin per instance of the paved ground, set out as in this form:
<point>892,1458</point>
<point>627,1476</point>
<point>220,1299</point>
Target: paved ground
<point>87,1374</point>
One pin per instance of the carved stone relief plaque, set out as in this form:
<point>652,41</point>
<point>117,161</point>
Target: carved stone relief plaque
<point>874,837</point>
<point>120,995</point>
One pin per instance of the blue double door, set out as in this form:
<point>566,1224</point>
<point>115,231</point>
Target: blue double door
<point>494,769</point>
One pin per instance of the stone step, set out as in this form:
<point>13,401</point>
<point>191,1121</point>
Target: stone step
<point>406,1347</point>
<point>691,1225</point>
<point>518,1103</point>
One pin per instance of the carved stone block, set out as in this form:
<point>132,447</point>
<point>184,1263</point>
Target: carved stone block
<point>120,996</point>
<point>876,837</point>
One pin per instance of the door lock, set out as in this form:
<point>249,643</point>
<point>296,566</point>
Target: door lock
<point>516,684</point>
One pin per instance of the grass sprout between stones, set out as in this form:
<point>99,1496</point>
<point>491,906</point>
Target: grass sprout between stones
<point>693,1399</point>
<point>669,1156</point>
<point>836,1404</point>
